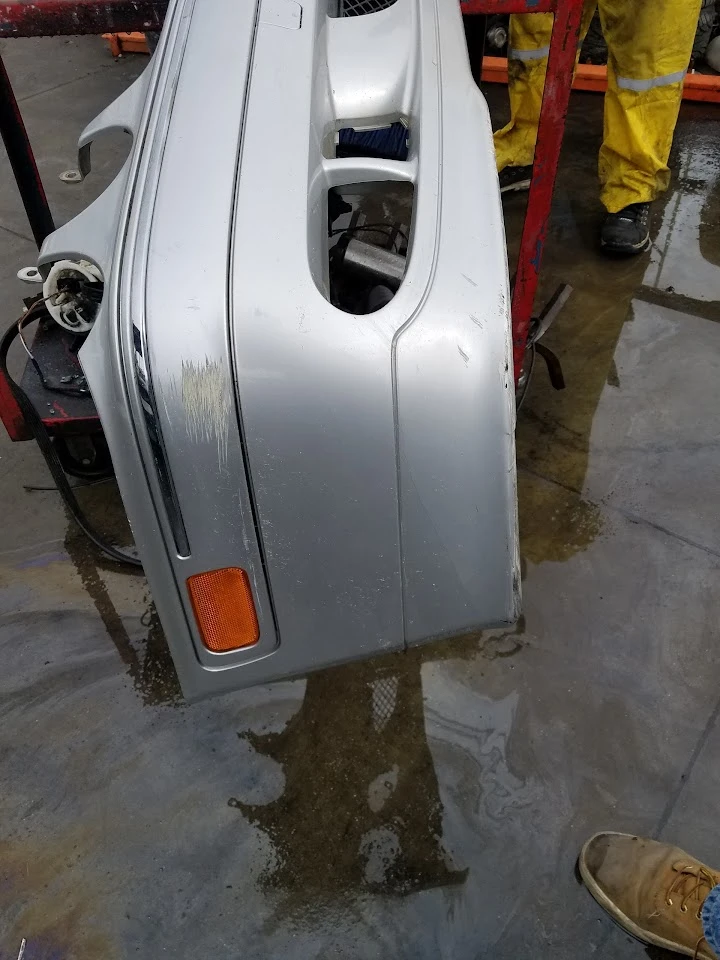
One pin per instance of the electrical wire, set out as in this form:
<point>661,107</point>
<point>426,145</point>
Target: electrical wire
<point>47,488</point>
<point>26,348</point>
<point>387,228</point>
<point>56,388</point>
<point>44,441</point>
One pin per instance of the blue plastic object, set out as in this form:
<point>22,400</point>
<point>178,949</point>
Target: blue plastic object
<point>389,143</point>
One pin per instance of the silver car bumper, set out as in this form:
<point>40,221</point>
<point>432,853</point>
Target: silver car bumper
<point>359,469</point>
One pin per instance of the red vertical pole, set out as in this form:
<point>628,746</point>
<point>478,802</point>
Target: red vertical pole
<point>11,414</point>
<point>556,97</point>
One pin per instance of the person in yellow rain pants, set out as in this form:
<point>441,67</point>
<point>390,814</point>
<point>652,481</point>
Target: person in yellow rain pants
<point>649,48</point>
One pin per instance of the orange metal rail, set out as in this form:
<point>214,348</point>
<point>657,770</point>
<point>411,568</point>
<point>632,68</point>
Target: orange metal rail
<point>698,86</point>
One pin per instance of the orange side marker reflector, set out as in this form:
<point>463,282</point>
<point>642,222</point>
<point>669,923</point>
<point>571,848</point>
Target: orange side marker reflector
<point>224,609</point>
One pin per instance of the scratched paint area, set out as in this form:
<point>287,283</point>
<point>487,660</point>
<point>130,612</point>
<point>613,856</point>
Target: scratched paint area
<point>206,396</point>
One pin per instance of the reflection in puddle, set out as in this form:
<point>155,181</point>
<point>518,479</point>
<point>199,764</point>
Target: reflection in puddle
<point>690,230</point>
<point>476,730</point>
<point>150,667</point>
<point>361,806</point>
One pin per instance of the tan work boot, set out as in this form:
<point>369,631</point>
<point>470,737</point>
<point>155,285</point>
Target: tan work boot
<point>654,891</point>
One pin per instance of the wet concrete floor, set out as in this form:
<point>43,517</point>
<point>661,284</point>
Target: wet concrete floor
<point>428,805</point>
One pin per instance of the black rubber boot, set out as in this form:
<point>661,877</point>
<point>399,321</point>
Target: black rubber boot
<point>515,179</point>
<point>626,232</point>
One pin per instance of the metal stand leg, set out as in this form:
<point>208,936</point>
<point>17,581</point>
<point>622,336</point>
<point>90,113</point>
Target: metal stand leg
<point>22,161</point>
<point>556,97</point>
<point>551,127</point>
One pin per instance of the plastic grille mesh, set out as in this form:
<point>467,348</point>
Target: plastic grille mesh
<point>356,8</point>
<point>384,701</point>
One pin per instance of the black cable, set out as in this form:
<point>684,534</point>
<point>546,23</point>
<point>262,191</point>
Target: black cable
<point>373,228</point>
<point>47,449</point>
<point>56,388</point>
<point>46,488</point>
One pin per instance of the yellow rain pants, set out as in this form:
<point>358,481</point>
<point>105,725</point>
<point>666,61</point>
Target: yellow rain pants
<point>649,47</point>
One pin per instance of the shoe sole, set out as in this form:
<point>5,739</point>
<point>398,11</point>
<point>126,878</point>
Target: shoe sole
<point>518,187</point>
<point>625,251</point>
<point>619,917</point>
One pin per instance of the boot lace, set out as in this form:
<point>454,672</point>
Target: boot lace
<point>692,883</point>
<point>635,212</point>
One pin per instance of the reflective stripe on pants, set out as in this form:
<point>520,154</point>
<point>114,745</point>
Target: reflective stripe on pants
<point>649,45</point>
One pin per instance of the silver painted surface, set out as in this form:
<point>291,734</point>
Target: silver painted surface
<point>360,468</point>
<point>374,260</point>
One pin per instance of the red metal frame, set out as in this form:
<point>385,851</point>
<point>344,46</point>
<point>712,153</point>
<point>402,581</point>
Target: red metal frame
<point>11,414</point>
<point>21,18</point>
<point>52,18</point>
<point>551,127</point>
<point>509,6</point>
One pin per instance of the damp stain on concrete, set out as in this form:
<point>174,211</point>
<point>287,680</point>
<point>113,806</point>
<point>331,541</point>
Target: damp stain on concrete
<point>147,660</point>
<point>43,903</point>
<point>359,734</point>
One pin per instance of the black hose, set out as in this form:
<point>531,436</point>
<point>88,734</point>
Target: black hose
<point>47,449</point>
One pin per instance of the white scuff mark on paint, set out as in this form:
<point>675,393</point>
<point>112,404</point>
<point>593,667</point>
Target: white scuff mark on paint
<point>207,396</point>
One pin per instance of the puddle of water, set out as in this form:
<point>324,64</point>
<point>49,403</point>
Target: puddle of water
<point>147,658</point>
<point>685,257</point>
<point>360,808</point>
